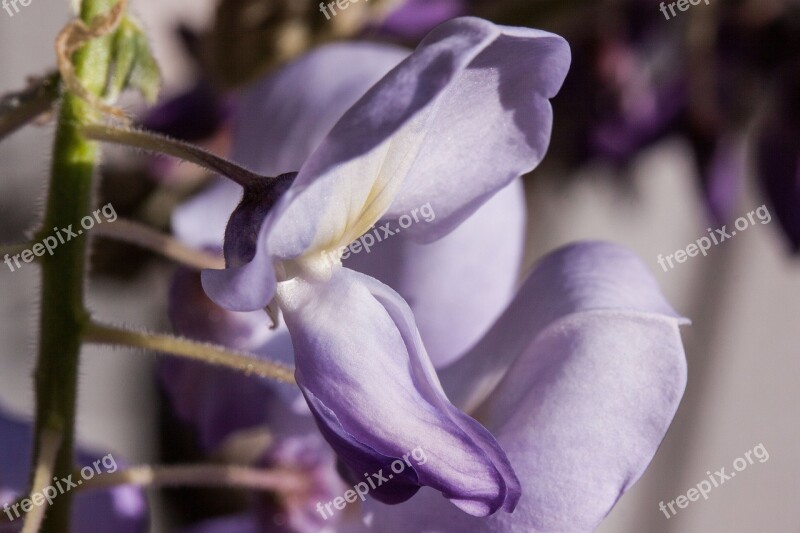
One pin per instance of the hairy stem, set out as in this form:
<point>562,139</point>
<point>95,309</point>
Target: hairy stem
<point>161,144</point>
<point>198,351</point>
<point>153,240</point>
<point>204,475</point>
<point>63,313</point>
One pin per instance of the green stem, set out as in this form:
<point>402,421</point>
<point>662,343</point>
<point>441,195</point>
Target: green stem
<point>63,314</point>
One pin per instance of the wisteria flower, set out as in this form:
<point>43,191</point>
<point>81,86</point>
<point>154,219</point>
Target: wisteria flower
<point>360,362</point>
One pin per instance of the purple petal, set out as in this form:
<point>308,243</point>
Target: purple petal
<point>408,141</point>
<point>592,370</point>
<point>504,90</point>
<point>352,178</point>
<point>121,509</point>
<point>369,383</point>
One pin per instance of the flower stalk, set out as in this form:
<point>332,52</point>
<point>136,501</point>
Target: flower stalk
<point>282,481</point>
<point>150,239</point>
<point>161,144</point>
<point>198,351</point>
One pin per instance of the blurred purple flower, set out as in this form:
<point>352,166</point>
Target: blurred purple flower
<point>194,115</point>
<point>376,161</point>
<point>121,509</point>
<point>778,154</point>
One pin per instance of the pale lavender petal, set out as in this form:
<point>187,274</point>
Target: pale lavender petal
<point>491,126</point>
<point>350,181</point>
<point>593,370</point>
<point>458,285</point>
<point>367,378</point>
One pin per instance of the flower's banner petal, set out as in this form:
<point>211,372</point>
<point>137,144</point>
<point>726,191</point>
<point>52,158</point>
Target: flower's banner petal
<point>122,508</point>
<point>367,378</point>
<point>352,178</point>
<point>458,285</point>
<point>597,373</point>
<point>492,125</point>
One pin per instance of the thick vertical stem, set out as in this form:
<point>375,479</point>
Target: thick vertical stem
<point>63,314</point>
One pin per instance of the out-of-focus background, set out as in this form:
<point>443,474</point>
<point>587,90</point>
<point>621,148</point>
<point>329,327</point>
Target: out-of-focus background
<point>744,298</point>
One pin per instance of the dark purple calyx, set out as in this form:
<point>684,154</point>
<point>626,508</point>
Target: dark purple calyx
<point>246,220</point>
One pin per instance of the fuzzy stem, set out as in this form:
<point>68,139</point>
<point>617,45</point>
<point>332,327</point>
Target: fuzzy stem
<point>198,351</point>
<point>204,475</point>
<point>166,245</point>
<point>154,142</point>
<point>63,313</point>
